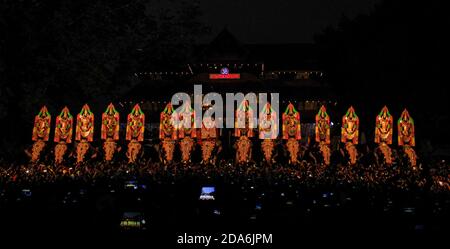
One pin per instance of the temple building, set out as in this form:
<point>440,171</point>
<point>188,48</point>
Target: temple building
<point>227,65</point>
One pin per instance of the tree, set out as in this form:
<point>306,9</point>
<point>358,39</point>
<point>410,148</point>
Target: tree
<point>75,51</point>
<point>393,56</point>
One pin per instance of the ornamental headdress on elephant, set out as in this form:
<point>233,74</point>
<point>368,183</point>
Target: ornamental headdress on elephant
<point>41,128</point>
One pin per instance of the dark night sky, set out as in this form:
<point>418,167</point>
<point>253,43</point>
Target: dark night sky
<point>282,21</point>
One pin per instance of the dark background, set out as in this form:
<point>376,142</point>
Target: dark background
<point>71,52</point>
<point>287,21</point>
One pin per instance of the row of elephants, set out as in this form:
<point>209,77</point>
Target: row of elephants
<point>171,133</point>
